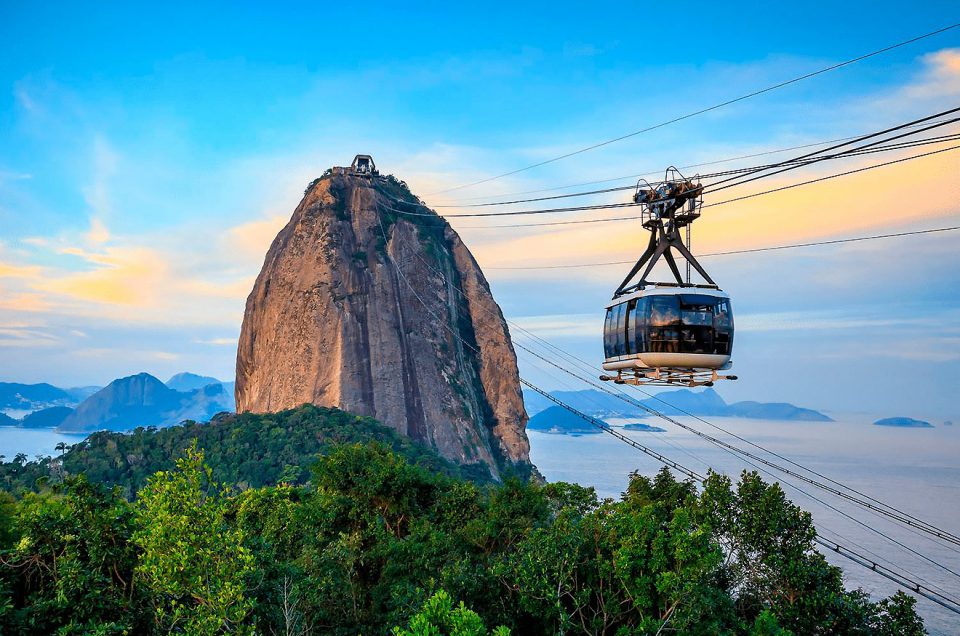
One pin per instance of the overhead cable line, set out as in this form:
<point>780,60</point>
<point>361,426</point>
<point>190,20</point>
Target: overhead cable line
<point>654,173</point>
<point>634,204</point>
<point>785,482</point>
<point>705,205</point>
<point>892,575</point>
<point>832,176</point>
<point>615,433</point>
<point>854,239</point>
<point>708,109</point>
<point>903,580</point>
<point>595,422</point>
<point>885,510</point>
<point>800,161</point>
<point>930,528</point>
<point>761,469</point>
<point>912,130</point>
<point>913,585</point>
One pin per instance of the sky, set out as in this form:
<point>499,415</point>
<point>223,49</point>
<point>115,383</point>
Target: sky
<point>148,158</point>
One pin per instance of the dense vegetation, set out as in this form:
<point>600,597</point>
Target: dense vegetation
<point>375,542</point>
<point>245,451</point>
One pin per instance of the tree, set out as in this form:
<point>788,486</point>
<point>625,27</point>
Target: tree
<point>440,618</point>
<point>70,568</point>
<point>193,561</point>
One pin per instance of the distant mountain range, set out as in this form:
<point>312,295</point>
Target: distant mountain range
<point>124,404</point>
<point>681,402</point>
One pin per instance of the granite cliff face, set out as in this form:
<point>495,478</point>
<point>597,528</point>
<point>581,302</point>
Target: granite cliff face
<point>387,315</point>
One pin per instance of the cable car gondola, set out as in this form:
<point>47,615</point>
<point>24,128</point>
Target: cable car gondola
<point>668,333</point>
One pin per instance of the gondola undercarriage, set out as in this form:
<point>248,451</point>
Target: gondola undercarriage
<point>666,376</point>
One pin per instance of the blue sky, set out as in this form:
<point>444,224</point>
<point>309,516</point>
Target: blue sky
<point>148,157</point>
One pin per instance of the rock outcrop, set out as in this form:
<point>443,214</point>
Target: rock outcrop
<point>371,303</point>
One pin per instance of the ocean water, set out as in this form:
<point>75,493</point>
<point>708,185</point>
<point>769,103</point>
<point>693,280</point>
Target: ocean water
<point>915,470</point>
<point>33,441</point>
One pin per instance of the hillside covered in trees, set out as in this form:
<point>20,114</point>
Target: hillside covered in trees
<point>375,542</point>
<point>245,451</point>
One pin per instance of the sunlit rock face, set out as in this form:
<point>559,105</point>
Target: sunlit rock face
<point>386,315</point>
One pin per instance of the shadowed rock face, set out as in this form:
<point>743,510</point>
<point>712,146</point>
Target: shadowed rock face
<point>357,307</point>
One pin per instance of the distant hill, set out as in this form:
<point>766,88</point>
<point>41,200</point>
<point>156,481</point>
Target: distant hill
<point>46,418</point>
<point>638,426</point>
<point>6,420</point>
<point>776,411</point>
<point>557,419</point>
<point>143,400</point>
<point>204,403</point>
<point>125,403</point>
<point>81,393</point>
<point>31,397</point>
<point>683,401</point>
<point>903,422</point>
<point>590,401</point>
<point>246,450</point>
<point>187,382</point>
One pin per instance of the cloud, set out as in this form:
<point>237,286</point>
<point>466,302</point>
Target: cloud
<point>24,302</point>
<point>559,325</point>
<point>126,353</point>
<point>219,342</point>
<point>130,276</point>
<point>828,321</point>
<point>9,270</point>
<point>940,77</point>
<point>23,97</point>
<point>97,194</point>
<point>98,233</point>
<point>7,176</point>
<point>26,336</point>
<point>253,238</point>
<point>922,349</point>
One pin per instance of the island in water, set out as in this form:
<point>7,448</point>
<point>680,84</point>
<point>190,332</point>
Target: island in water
<point>903,422</point>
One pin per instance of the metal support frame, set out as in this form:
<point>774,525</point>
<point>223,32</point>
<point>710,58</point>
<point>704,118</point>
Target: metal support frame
<point>667,208</point>
<point>667,377</point>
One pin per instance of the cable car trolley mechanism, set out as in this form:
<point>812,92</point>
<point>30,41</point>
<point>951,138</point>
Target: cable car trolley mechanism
<point>668,333</point>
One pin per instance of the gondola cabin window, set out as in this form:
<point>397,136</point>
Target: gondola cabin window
<point>664,323</point>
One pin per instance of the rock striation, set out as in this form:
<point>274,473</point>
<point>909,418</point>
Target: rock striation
<point>363,306</point>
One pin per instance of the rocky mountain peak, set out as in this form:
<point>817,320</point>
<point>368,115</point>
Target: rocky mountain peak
<point>369,302</point>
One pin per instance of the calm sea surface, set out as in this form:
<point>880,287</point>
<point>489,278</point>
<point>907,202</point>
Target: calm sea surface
<point>32,441</point>
<point>916,470</point>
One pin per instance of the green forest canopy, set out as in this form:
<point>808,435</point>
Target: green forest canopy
<point>382,536</point>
